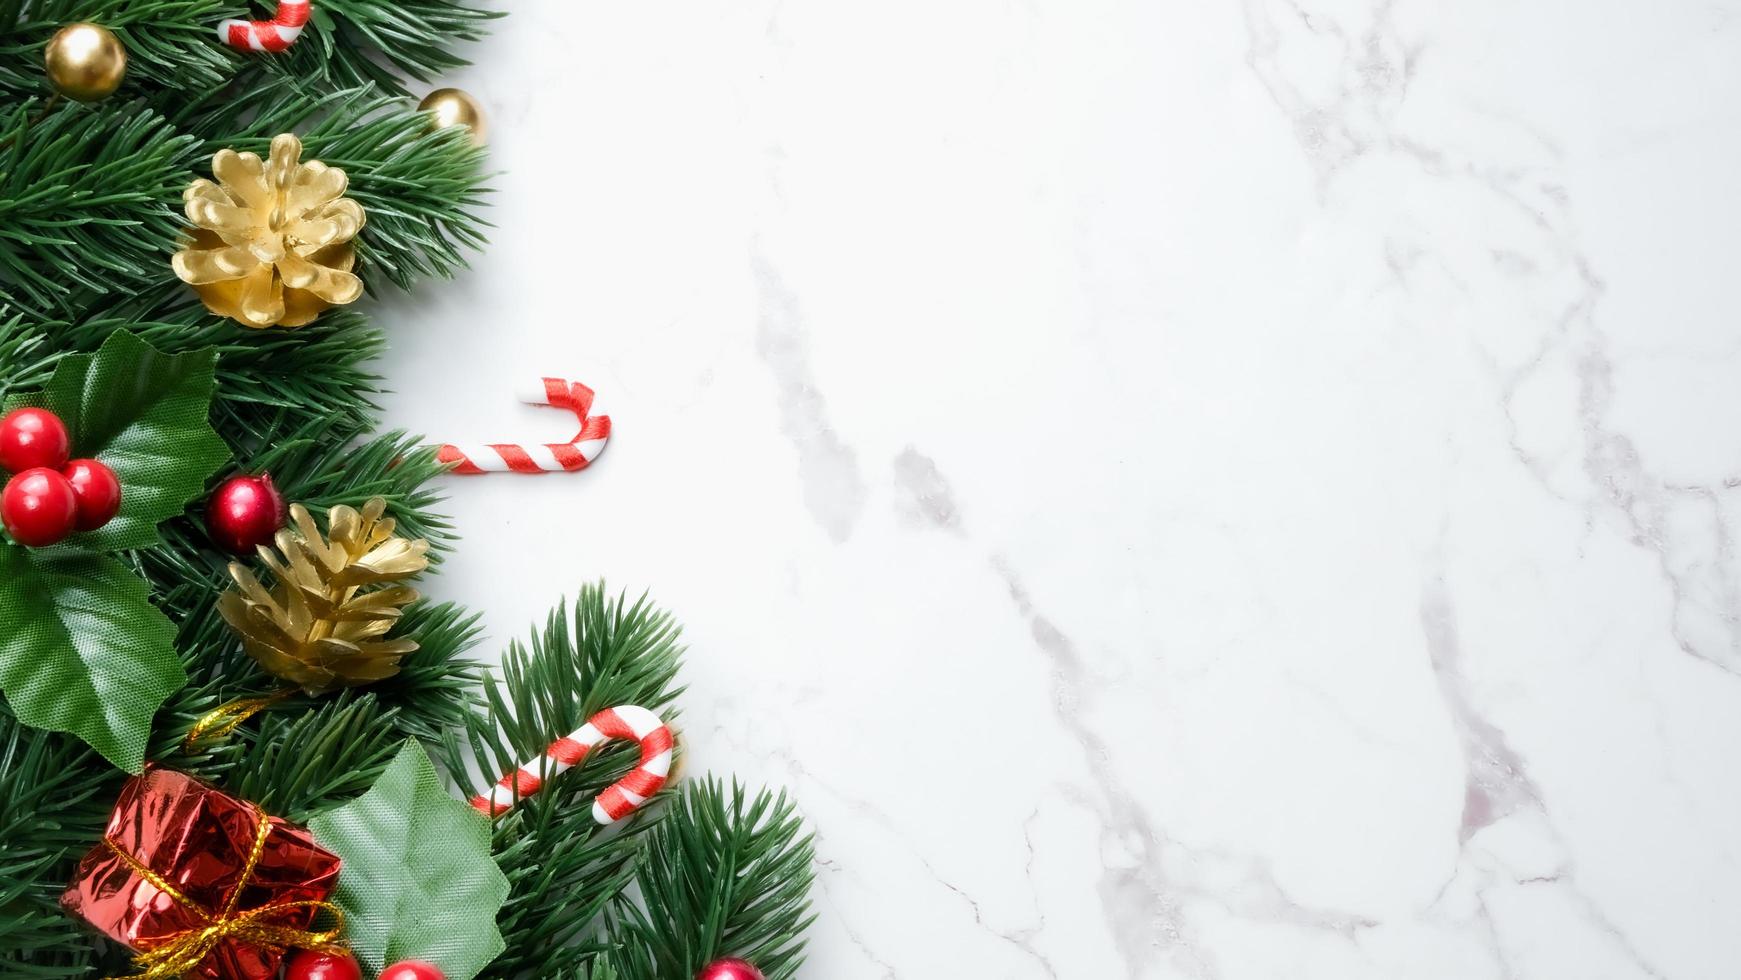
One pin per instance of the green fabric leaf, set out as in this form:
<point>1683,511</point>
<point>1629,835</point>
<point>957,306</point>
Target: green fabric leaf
<point>418,880</point>
<point>82,649</point>
<point>144,414</point>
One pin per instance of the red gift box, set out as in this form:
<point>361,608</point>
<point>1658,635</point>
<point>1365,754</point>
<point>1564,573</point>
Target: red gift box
<point>197,841</point>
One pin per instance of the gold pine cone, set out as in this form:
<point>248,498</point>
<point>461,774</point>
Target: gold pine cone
<point>271,242</point>
<point>321,625</point>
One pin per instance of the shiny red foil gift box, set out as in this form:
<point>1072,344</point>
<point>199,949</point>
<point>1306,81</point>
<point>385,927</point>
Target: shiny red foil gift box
<point>197,840</point>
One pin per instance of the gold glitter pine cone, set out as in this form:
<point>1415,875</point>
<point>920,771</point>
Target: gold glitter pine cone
<point>271,242</point>
<point>322,625</point>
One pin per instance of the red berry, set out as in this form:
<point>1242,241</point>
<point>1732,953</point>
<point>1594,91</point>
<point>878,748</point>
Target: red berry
<point>38,507</point>
<point>97,490</point>
<point>730,968</point>
<point>412,970</point>
<point>32,437</point>
<point>312,965</point>
<point>243,513</point>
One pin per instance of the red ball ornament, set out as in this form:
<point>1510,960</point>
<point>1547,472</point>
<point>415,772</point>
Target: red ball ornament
<point>412,970</point>
<point>32,437</point>
<point>38,507</point>
<point>244,512</point>
<point>97,490</point>
<point>730,968</point>
<point>312,965</point>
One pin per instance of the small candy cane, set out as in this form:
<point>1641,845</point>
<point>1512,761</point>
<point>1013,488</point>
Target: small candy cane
<point>618,800</point>
<point>267,35</point>
<point>565,457</point>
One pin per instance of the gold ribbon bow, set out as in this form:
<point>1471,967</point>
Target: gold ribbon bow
<point>179,953</point>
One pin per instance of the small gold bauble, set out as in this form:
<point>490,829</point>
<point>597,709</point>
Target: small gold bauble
<point>453,107</point>
<point>85,62</point>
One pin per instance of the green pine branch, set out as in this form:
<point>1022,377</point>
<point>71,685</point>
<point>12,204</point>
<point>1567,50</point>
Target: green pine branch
<point>416,38</point>
<point>303,761</point>
<point>54,802</point>
<point>170,43</point>
<point>86,201</point>
<point>564,869</point>
<point>269,383</point>
<point>723,874</point>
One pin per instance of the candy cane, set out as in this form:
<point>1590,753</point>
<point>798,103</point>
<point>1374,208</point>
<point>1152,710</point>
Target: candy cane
<point>619,799</point>
<point>266,35</point>
<point>575,454</point>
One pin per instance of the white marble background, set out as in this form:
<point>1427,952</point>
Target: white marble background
<point>1179,490</point>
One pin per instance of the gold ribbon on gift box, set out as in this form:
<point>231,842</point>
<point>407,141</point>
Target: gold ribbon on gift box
<point>179,953</point>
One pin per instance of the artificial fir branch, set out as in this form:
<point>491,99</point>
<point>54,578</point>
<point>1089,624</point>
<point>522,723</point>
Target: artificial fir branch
<point>268,385</point>
<point>26,356</point>
<point>53,801</point>
<point>86,196</point>
<point>435,689</point>
<point>724,874</point>
<point>169,42</point>
<point>564,869</point>
<point>302,762</point>
<point>415,38</point>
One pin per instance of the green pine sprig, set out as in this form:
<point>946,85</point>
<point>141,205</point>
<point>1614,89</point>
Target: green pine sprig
<point>563,868</point>
<point>87,198</point>
<point>724,874</point>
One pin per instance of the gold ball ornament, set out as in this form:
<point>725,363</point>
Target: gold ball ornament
<point>85,62</point>
<point>452,107</point>
<point>271,239</point>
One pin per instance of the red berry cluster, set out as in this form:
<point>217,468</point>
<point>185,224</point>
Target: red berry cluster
<point>49,496</point>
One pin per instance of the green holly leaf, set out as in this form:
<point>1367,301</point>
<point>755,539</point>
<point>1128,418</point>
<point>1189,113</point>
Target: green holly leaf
<point>144,414</point>
<point>83,650</point>
<point>418,881</point>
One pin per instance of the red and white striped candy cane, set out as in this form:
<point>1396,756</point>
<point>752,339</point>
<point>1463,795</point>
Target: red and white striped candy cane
<point>564,457</point>
<point>618,800</point>
<point>267,35</point>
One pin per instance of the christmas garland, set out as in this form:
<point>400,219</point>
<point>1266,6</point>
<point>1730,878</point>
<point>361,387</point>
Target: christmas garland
<point>234,740</point>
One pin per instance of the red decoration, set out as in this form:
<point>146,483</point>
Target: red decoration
<point>267,35</point>
<point>97,490</point>
<point>412,970</point>
<point>313,965</point>
<point>619,799</point>
<point>38,507</point>
<point>558,457</point>
<point>244,512</point>
<point>197,841</point>
<point>32,437</point>
<point>730,969</point>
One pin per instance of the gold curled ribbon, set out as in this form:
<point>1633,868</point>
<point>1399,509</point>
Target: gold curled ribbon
<point>179,953</point>
<point>226,718</point>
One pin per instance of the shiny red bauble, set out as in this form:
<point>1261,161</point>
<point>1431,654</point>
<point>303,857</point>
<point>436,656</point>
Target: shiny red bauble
<point>730,969</point>
<point>412,970</point>
<point>32,437</point>
<point>244,512</point>
<point>312,965</point>
<point>38,507</point>
<point>97,490</point>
